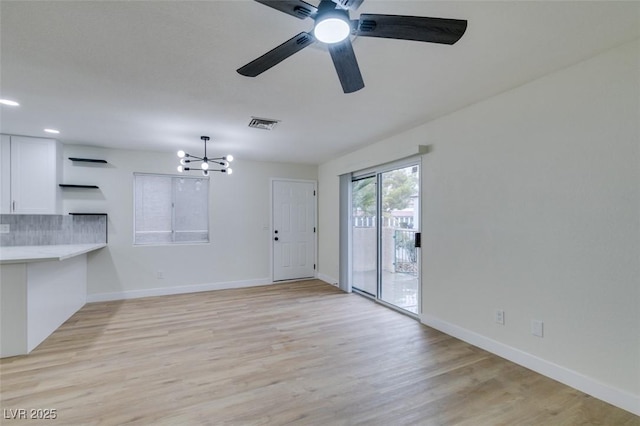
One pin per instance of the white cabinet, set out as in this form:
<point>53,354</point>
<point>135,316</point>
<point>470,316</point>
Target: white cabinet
<point>5,174</point>
<point>30,174</point>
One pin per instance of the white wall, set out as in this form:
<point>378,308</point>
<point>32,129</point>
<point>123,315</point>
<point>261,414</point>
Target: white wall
<point>531,204</point>
<point>239,252</point>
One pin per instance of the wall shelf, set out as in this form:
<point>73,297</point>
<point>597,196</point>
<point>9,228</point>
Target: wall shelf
<point>62,185</point>
<point>87,160</point>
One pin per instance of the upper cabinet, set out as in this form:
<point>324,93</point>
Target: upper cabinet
<point>31,169</point>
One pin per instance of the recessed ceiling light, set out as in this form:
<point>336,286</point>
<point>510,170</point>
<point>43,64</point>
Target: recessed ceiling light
<point>52,131</point>
<point>9,102</point>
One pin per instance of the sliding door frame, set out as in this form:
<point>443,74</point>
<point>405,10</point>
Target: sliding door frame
<point>377,172</point>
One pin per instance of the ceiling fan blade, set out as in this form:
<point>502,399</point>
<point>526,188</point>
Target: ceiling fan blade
<point>344,59</point>
<point>433,30</point>
<point>297,8</point>
<point>277,55</point>
<point>348,4</point>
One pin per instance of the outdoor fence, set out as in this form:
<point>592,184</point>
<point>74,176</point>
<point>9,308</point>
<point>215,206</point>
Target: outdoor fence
<point>404,222</point>
<point>398,250</point>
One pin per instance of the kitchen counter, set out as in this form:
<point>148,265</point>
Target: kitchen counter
<point>26,254</point>
<point>40,288</point>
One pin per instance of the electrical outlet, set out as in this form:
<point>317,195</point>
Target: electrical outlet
<point>537,328</point>
<point>160,275</point>
<point>499,316</point>
<point>5,228</point>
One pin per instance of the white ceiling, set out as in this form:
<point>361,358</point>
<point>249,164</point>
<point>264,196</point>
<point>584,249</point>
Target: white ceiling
<point>156,75</point>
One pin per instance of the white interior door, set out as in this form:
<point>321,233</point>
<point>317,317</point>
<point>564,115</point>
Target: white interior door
<point>293,232</point>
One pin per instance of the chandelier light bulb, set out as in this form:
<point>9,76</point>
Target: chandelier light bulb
<point>180,169</point>
<point>205,172</point>
<point>183,161</point>
<point>229,158</point>
<point>204,166</point>
<point>229,171</point>
<point>181,154</point>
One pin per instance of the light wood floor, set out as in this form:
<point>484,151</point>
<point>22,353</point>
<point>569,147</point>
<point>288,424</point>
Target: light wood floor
<point>301,353</point>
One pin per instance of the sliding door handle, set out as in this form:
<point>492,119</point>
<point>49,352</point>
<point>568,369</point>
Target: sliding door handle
<point>417,239</point>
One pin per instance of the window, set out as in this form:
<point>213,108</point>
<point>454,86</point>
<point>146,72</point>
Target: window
<point>170,209</point>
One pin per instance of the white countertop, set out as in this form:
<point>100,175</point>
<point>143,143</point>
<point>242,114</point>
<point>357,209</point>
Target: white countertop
<point>24,254</point>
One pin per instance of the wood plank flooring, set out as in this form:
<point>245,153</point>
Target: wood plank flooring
<point>301,353</point>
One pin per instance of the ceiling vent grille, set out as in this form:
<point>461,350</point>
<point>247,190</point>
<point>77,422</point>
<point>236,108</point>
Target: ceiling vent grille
<point>263,123</point>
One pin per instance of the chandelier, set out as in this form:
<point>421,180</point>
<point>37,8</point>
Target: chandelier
<point>205,162</point>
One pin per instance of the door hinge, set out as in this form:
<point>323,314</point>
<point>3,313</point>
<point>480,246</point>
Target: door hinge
<point>314,229</point>
<point>314,266</point>
<point>314,192</point>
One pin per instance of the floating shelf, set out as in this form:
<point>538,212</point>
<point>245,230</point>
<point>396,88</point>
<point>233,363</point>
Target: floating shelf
<point>87,160</point>
<point>88,214</point>
<point>62,185</point>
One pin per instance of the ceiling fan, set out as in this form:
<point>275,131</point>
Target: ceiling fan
<point>333,26</point>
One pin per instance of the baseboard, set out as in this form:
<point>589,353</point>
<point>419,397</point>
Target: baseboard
<point>613,396</point>
<point>165,291</point>
<point>327,279</point>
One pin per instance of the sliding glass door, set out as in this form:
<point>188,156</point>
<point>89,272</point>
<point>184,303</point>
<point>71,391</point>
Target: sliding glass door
<point>385,235</point>
<point>399,216</point>
<point>364,254</point>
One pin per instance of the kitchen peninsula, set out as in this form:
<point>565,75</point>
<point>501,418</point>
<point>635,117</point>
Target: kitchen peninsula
<point>43,285</point>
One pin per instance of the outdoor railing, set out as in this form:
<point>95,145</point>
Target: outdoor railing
<point>404,222</point>
<point>405,257</point>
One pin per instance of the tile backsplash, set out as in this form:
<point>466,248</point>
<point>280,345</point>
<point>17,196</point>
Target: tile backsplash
<point>45,229</point>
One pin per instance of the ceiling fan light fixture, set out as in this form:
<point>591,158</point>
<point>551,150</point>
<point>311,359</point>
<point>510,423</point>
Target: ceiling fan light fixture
<point>332,29</point>
<point>333,26</point>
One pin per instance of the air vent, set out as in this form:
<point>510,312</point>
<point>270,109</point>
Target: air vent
<point>263,123</point>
